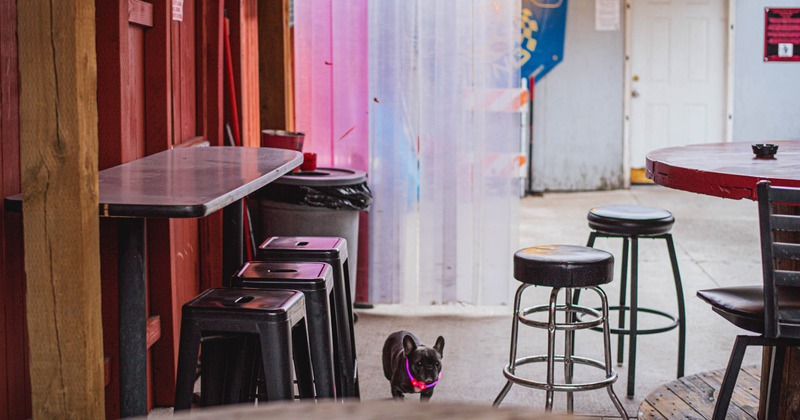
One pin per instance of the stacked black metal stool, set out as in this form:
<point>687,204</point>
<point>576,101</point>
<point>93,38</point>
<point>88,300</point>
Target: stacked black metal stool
<point>315,281</point>
<point>333,251</point>
<point>631,223</point>
<point>276,318</point>
<point>562,267</point>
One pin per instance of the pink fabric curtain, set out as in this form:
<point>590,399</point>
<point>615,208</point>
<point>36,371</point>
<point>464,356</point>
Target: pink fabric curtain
<point>332,81</point>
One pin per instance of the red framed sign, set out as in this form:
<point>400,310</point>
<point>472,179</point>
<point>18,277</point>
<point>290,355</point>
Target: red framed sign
<point>782,34</point>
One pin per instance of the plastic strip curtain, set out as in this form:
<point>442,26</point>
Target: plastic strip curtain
<point>444,155</point>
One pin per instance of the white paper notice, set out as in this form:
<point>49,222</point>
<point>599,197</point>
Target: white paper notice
<point>177,10</point>
<point>606,15</point>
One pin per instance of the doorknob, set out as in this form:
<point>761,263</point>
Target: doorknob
<point>635,93</point>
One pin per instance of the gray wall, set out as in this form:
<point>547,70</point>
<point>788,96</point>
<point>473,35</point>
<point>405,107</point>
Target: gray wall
<point>577,136</point>
<point>766,95</point>
<point>578,115</point>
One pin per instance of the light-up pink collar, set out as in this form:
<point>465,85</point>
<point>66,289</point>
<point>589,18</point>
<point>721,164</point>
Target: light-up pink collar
<point>420,385</point>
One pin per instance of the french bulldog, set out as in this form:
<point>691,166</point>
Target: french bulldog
<point>410,366</point>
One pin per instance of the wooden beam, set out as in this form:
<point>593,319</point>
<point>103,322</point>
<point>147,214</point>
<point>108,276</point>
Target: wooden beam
<point>248,77</point>
<point>243,15</point>
<point>276,86</point>
<point>58,136</point>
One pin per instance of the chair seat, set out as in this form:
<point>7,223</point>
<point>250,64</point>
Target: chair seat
<point>563,266</point>
<point>743,306</point>
<point>630,220</point>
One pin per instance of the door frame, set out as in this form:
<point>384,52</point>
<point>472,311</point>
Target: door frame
<point>626,104</point>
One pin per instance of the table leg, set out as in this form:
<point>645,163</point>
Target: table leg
<point>233,240</point>
<point>132,317</point>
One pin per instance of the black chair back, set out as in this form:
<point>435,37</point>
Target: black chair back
<point>779,220</point>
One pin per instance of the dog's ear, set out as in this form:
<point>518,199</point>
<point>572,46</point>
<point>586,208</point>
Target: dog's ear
<point>408,345</point>
<point>439,346</point>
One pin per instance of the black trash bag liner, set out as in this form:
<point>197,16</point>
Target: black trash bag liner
<point>337,197</point>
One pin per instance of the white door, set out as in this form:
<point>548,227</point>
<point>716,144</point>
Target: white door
<point>677,74</point>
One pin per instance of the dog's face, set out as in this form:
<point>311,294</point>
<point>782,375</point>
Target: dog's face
<point>425,363</point>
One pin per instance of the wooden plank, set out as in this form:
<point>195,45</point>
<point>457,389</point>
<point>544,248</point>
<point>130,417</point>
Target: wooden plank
<point>159,133</point>
<point>106,371</point>
<point>740,398</point>
<point>187,88</point>
<point>648,412</point>
<point>209,71</point>
<point>158,49</point>
<point>58,135</point>
<point>699,398</point>
<point>15,400</point>
<point>275,65</point>
<point>110,291</point>
<point>114,126</point>
<point>248,86</point>
<point>140,13</point>
<point>694,397</point>
<point>153,330</point>
<point>669,405</point>
<point>210,117</point>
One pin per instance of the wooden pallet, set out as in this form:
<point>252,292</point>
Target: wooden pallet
<point>693,397</point>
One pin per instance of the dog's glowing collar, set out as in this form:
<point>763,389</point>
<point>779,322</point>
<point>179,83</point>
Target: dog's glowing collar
<point>419,385</point>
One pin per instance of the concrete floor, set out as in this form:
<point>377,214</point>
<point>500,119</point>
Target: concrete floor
<point>717,244</point>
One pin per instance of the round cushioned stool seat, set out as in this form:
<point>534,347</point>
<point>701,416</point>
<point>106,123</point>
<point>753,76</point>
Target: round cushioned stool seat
<point>563,266</point>
<point>630,220</point>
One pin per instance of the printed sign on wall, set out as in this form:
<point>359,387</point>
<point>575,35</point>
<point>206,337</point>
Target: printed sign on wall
<point>781,34</point>
<point>177,10</point>
<point>541,47</point>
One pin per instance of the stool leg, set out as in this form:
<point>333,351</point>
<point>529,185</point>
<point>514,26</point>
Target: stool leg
<point>513,353</point>
<point>681,307</point>
<point>551,349</point>
<point>356,391</point>
<point>592,237</point>
<point>214,368</point>
<point>187,364</point>
<point>607,352</point>
<point>569,342</point>
<point>319,325</point>
<point>623,282</point>
<point>336,319</point>
<point>301,352</point>
<point>276,358</point>
<point>344,334</point>
<point>240,387</point>
<point>634,310</point>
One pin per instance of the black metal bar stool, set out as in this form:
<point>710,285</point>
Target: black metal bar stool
<point>331,250</point>
<point>315,280</point>
<point>276,317</point>
<point>562,267</point>
<point>630,223</point>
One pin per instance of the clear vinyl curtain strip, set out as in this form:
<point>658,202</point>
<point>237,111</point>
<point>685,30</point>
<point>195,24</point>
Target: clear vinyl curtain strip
<point>444,224</point>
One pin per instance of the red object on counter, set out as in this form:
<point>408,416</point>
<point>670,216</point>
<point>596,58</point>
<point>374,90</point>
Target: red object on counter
<point>309,162</point>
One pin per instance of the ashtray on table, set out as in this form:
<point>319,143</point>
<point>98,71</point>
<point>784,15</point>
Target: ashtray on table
<point>765,150</point>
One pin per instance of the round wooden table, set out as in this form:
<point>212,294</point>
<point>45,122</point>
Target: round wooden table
<point>731,170</point>
<point>728,170</point>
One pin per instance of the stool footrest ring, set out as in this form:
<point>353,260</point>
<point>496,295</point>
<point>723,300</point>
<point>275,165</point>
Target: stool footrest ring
<point>642,331</point>
<point>579,310</point>
<point>581,386</point>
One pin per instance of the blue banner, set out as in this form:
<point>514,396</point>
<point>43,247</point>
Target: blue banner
<point>543,24</point>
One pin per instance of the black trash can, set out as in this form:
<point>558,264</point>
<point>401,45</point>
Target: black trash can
<point>323,202</point>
